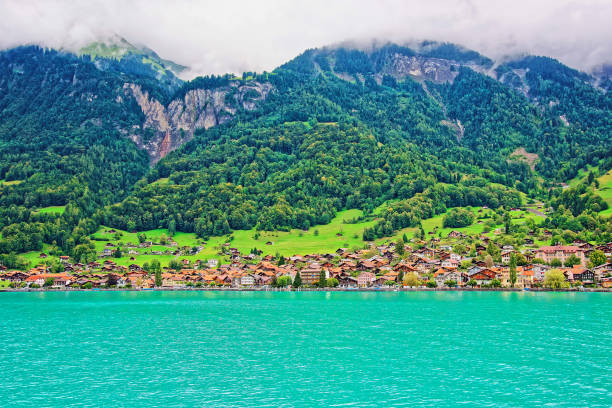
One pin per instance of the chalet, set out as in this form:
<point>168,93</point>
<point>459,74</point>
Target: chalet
<point>584,276</point>
<point>64,259</point>
<point>43,255</point>
<point>379,281</point>
<point>341,251</point>
<point>347,281</point>
<point>14,276</point>
<point>482,276</point>
<point>528,241</point>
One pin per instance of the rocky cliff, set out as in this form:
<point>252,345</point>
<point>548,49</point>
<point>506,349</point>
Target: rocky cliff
<point>166,128</point>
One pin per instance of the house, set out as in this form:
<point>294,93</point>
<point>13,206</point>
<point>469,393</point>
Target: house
<point>311,273</point>
<point>212,263</point>
<point>539,271</point>
<point>560,252</point>
<point>443,275</point>
<point>506,255</point>
<point>579,273</point>
<point>450,263</point>
<point>603,271</point>
<point>365,279</point>
<point>64,259</point>
<point>247,280</point>
<point>483,276</point>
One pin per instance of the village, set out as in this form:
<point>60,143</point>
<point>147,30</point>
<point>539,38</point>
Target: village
<point>390,266</point>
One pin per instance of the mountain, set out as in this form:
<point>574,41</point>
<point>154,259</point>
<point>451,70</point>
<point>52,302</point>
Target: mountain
<point>119,55</point>
<point>115,136</point>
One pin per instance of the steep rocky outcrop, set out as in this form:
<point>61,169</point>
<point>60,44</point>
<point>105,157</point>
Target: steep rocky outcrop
<point>426,68</point>
<point>165,128</point>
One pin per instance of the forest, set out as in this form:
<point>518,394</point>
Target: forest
<point>319,144</point>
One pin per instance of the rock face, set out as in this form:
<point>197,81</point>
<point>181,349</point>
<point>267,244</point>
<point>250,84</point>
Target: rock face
<point>166,128</point>
<point>422,68</point>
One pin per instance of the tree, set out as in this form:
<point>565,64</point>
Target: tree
<point>399,247</point>
<point>451,283</point>
<point>322,279</point>
<point>597,257</point>
<point>158,278</point>
<point>555,263</point>
<point>163,239</point>
<point>555,279</point>
<point>141,237</point>
<point>405,238</point>
<point>493,249</point>
<point>458,217</point>
<point>48,282</point>
<point>431,283</point>
<point>400,276</point>
<point>508,222</point>
<point>332,282</point>
<point>390,282</point>
<point>283,281</point>
<point>281,260</point>
<point>488,261</point>
<point>117,253</point>
<point>411,280</point>
<point>472,283</point>
<point>572,260</point>
<point>171,227</point>
<point>297,281</point>
<point>512,269</point>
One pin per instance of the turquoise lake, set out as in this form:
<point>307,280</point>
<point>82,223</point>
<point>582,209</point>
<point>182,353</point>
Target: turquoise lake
<point>309,349</point>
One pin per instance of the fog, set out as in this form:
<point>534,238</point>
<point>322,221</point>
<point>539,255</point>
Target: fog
<point>219,36</point>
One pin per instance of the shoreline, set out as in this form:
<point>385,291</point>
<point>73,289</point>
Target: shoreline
<point>272,290</point>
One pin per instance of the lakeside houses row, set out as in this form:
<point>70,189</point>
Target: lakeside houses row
<point>349,269</point>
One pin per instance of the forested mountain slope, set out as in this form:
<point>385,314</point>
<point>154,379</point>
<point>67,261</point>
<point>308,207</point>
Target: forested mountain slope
<point>422,128</point>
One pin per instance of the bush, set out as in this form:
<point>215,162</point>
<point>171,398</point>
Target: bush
<point>332,282</point>
<point>87,285</point>
<point>431,284</point>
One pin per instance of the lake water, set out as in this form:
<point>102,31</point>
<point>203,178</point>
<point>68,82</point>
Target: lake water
<point>246,349</point>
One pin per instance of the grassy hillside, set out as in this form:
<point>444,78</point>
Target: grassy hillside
<point>321,239</point>
<point>605,191</point>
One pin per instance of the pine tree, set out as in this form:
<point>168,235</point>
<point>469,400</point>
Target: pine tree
<point>297,281</point>
<point>399,247</point>
<point>322,279</point>
<point>512,270</point>
<point>158,278</point>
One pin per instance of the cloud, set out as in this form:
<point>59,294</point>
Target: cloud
<point>222,36</point>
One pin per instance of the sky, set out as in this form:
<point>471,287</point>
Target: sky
<point>215,37</point>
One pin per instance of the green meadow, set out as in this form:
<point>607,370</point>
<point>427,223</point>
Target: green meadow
<point>339,233</point>
<point>56,209</point>
<point>605,191</point>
